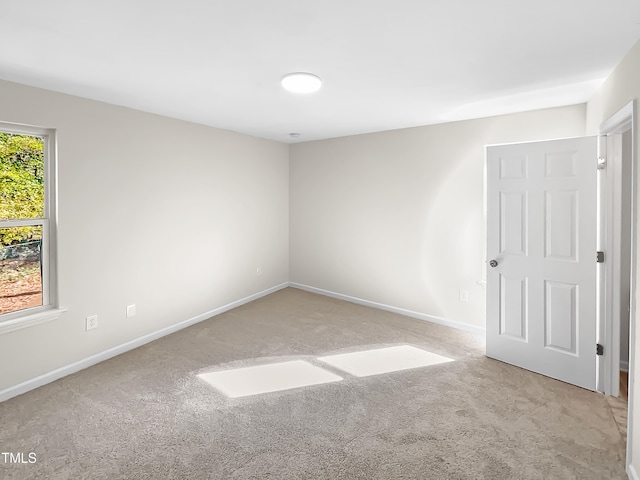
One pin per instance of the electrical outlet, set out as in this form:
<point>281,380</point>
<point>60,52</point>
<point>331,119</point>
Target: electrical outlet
<point>259,272</point>
<point>131,310</point>
<point>463,295</point>
<point>92,322</point>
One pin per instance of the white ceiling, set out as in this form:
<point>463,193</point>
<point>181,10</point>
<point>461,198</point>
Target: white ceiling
<point>386,64</point>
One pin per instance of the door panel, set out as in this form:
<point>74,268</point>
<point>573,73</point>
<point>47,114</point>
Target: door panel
<point>513,311</point>
<point>513,224</point>
<point>560,222</point>
<point>560,316</point>
<point>541,231</point>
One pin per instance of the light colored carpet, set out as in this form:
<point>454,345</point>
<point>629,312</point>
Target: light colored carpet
<point>146,414</point>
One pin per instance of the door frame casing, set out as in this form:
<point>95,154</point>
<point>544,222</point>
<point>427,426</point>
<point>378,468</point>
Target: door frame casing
<point>609,239</point>
<point>609,365</point>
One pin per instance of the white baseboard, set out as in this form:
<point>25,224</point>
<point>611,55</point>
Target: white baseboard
<point>632,473</point>
<point>389,308</point>
<point>624,365</point>
<point>54,375</point>
<point>58,373</point>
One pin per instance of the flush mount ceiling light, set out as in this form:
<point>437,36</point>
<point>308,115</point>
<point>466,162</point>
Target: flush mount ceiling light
<point>301,82</point>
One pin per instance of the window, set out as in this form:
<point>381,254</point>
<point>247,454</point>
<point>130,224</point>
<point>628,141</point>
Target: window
<point>28,293</point>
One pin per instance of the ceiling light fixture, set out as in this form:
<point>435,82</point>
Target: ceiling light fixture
<point>301,82</point>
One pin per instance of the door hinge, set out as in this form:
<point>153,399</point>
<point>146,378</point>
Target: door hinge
<point>600,257</point>
<point>599,349</point>
<point>602,163</point>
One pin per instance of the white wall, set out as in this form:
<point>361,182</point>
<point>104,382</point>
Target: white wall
<point>397,217</point>
<point>172,216</point>
<point>623,86</point>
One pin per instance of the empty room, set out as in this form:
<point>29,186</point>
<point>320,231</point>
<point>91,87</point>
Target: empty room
<point>336,240</point>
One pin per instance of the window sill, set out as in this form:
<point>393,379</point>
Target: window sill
<point>19,323</point>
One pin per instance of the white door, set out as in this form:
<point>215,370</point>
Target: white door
<point>541,249</point>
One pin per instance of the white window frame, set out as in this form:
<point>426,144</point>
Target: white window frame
<point>50,309</point>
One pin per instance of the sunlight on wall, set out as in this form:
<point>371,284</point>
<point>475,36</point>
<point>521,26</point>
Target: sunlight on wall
<point>384,360</point>
<point>242,382</point>
<point>457,251</point>
<point>527,98</point>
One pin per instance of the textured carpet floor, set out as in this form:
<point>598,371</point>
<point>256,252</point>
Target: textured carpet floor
<point>146,414</point>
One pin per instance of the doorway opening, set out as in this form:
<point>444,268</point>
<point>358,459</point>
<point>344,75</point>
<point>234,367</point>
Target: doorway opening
<point>561,283</point>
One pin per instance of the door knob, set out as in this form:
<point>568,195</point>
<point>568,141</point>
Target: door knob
<point>493,263</point>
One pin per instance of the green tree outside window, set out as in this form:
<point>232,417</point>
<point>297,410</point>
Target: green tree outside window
<point>21,185</point>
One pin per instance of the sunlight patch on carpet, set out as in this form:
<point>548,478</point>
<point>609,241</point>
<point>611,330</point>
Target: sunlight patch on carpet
<point>383,360</point>
<point>246,381</point>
